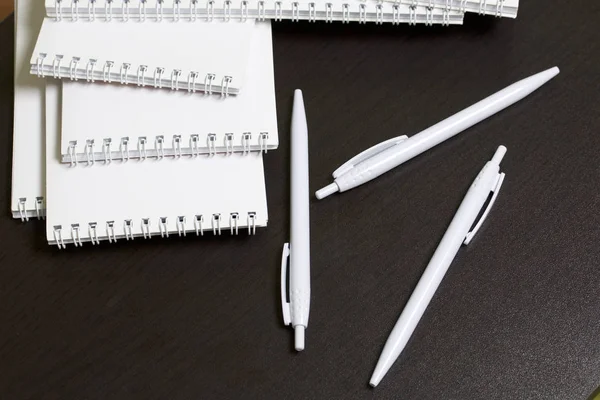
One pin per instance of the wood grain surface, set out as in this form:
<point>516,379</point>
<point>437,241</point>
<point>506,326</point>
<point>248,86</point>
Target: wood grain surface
<point>516,317</point>
<point>6,8</point>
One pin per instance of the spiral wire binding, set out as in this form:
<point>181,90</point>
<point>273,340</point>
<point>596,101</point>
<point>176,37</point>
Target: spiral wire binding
<point>71,152</point>
<point>126,75</point>
<point>198,219</point>
<point>142,147</point>
<point>211,140</point>
<point>233,223</point>
<point>38,208</point>
<point>159,146</point>
<point>89,152</point>
<point>106,153</point>
<point>93,233</point>
<point>124,148</point>
<point>22,210</point>
<point>216,224</point>
<point>225,10</point>
<point>57,230</point>
<point>412,15</point>
<point>75,236</point>
<point>110,232</point>
<point>181,224</point>
<point>177,145</point>
<point>499,8</point>
<point>448,8</point>
<point>127,229</point>
<point>162,150</point>
<point>482,6</point>
<point>228,143</point>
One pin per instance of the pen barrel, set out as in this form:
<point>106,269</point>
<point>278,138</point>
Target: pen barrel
<point>472,115</point>
<point>438,265</point>
<point>457,231</point>
<point>444,130</point>
<point>300,218</point>
<point>430,137</point>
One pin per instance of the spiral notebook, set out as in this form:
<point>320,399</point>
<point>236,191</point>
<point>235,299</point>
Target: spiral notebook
<point>498,8</point>
<point>27,193</point>
<point>235,10</point>
<point>115,122</point>
<point>114,201</point>
<point>205,56</point>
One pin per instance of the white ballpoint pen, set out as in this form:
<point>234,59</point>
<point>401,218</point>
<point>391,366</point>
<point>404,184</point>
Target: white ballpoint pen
<point>488,181</point>
<point>387,155</point>
<point>296,307</point>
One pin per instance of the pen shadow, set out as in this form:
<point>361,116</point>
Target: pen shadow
<point>284,199</point>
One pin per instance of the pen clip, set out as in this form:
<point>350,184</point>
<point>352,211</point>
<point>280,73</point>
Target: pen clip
<point>370,152</point>
<point>495,191</point>
<point>285,304</point>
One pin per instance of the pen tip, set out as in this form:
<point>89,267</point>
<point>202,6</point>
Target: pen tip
<point>326,191</point>
<point>382,367</point>
<point>552,72</point>
<point>374,381</point>
<point>299,337</point>
<point>541,78</point>
<point>499,155</point>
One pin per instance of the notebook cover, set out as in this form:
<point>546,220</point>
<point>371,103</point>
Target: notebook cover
<point>109,122</point>
<point>27,192</point>
<point>116,201</point>
<point>202,56</point>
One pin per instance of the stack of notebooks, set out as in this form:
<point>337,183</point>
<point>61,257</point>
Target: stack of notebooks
<point>150,118</point>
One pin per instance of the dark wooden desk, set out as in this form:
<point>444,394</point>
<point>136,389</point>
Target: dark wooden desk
<point>516,317</point>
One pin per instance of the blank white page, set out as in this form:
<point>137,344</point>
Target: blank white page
<point>153,199</point>
<point>239,10</point>
<point>205,56</point>
<point>98,118</point>
<point>27,193</point>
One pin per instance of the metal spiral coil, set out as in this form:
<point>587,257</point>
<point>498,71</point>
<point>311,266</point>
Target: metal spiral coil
<point>192,10</point>
<point>24,211</point>
<point>76,68</point>
<point>481,6</point>
<point>113,230</point>
<point>177,147</point>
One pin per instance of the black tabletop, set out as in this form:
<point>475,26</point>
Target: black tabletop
<point>516,316</point>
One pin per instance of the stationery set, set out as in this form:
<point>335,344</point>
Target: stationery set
<point>124,130</point>
<point>161,80</point>
<point>146,118</point>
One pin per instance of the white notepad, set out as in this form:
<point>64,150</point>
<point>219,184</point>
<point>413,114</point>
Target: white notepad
<point>113,122</point>
<point>236,10</point>
<point>204,56</point>
<point>498,8</point>
<point>149,199</point>
<point>27,197</point>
